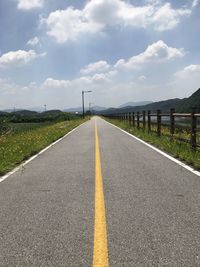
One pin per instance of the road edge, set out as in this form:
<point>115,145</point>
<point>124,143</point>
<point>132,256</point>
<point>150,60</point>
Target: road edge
<point>180,163</point>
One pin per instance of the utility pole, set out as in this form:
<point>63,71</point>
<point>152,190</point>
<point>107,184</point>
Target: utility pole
<point>45,107</point>
<point>83,92</point>
<point>83,104</point>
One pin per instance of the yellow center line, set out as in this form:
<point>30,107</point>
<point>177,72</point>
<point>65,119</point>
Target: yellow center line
<point>100,253</point>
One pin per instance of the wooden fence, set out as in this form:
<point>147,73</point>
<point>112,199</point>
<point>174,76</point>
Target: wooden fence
<point>148,120</point>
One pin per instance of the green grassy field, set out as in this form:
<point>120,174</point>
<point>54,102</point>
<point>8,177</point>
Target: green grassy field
<point>178,149</point>
<point>23,140</point>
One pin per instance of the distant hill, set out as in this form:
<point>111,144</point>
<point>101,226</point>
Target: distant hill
<point>134,104</point>
<point>80,109</point>
<point>3,113</point>
<point>33,116</point>
<point>180,105</point>
<point>51,112</point>
<point>37,109</point>
<point>187,104</point>
<point>98,108</point>
<point>11,110</point>
<point>25,112</point>
<point>163,105</point>
<point>73,110</point>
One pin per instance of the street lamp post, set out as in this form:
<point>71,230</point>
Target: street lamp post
<point>90,108</point>
<point>83,92</point>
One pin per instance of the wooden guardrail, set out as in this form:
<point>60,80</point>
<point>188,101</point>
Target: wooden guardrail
<point>146,121</point>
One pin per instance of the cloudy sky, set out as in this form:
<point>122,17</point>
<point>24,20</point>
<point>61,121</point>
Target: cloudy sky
<point>134,50</point>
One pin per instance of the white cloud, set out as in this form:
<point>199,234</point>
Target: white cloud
<point>65,25</point>
<point>195,3</point>
<point>52,83</point>
<point>105,80</point>
<point>96,79</point>
<point>34,41</point>
<point>186,81</point>
<point>69,24</point>
<point>142,78</point>
<point>166,18</point>
<point>188,71</point>
<point>108,80</point>
<point>29,4</point>
<point>14,95</point>
<point>100,66</point>
<point>100,78</point>
<point>155,53</point>
<point>18,58</point>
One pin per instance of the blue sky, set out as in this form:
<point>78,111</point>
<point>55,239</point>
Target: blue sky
<point>121,50</point>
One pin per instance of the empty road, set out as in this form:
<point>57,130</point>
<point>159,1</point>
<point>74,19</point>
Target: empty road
<point>100,198</point>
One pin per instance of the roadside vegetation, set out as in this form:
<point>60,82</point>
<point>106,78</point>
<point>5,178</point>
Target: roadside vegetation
<point>172,146</point>
<point>20,139</point>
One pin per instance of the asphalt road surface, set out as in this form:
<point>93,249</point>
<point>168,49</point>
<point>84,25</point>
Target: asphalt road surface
<point>55,211</point>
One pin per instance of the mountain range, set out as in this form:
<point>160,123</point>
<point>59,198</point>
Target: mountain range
<point>180,105</point>
<point>80,109</point>
<point>134,104</point>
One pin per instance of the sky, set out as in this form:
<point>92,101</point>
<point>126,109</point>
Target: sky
<point>123,51</point>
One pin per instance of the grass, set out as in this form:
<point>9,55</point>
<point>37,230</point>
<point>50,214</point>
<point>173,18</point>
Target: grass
<point>25,126</point>
<point>178,149</point>
<point>27,139</point>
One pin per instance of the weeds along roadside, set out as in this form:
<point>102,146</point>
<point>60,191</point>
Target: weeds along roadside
<point>17,146</point>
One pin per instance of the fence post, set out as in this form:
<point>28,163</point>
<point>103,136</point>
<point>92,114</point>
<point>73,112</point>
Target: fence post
<point>193,129</point>
<point>129,116</point>
<point>138,119</point>
<point>172,121</point>
<point>158,122</point>
<point>133,115</point>
<point>149,121</point>
<point>144,119</point>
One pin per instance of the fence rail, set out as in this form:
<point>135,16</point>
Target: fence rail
<point>147,120</point>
